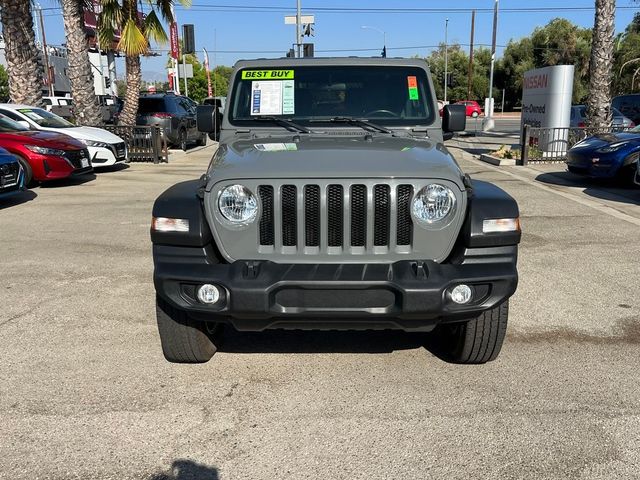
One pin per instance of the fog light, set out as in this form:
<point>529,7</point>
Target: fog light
<point>208,294</point>
<point>461,294</point>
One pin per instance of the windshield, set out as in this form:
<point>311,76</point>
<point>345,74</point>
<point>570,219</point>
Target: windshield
<point>389,95</point>
<point>7,125</point>
<point>44,118</point>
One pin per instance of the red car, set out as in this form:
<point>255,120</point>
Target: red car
<point>473,108</point>
<point>44,155</point>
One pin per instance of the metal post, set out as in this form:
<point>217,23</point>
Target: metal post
<point>489,121</point>
<point>524,147</point>
<point>45,55</point>
<point>184,72</point>
<point>504,91</point>
<point>298,29</point>
<point>446,58</point>
<point>473,29</point>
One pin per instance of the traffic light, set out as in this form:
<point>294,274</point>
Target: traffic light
<point>384,52</point>
<point>307,49</point>
<point>107,82</point>
<point>450,82</point>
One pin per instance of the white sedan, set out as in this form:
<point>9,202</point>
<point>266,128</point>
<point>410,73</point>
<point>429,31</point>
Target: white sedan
<point>105,148</point>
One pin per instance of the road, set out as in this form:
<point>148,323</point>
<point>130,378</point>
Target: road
<point>87,394</point>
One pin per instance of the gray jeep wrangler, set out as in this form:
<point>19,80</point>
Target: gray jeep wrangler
<point>332,203</point>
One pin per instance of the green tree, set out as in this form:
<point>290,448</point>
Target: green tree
<point>626,73</point>
<point>136,33</point>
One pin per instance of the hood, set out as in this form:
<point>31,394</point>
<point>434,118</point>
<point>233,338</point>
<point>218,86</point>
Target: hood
<point>6,157</point>
<point>331,156</point>
<point>43,139</point>
<point>604,139</point>
<point>89,133</point>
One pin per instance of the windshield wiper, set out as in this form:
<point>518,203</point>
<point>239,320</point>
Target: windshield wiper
<point>283,122</point>
<point>364,124</point>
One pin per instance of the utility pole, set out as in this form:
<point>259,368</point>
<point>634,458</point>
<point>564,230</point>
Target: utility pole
<point>45,55</point>
<point>473,28</point>
<point>446,58</point>
<point>489,123</point>
<point>298,29</point>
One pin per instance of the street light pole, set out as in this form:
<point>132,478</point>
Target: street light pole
<point>384,37</point>
<point>446,58</point>
<point>298,29</point>
<point>489,122</point>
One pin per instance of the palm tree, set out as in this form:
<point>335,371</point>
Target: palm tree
<point>23,59</point>
<point>87,109</point>
<point>135,34</point>
<point>601,64</point>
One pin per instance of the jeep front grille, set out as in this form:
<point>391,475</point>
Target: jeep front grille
<point>336,217</point>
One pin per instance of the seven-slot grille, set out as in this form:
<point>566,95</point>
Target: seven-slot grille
<point>9,174</point>
<point>76,157</point>
<point>336,217</point>
<point>119,149</point>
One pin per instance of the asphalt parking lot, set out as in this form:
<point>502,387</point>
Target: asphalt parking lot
<point>86,392</point>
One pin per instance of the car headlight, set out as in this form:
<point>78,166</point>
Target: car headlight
<point>238,204</point>
<point>93,143</point>
<point>614,147</point>
<point>45,150</point>
<point>433,204</point>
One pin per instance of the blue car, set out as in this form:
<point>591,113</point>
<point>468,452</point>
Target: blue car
<point>11,174</point>
<point>609,155</point>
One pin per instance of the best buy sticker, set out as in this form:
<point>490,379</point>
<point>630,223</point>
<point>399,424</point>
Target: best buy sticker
<point>267,74</point>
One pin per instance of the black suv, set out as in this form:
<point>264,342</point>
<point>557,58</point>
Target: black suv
<point>176,114</point>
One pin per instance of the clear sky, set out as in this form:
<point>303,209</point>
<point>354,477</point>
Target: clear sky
<point>255,28</point>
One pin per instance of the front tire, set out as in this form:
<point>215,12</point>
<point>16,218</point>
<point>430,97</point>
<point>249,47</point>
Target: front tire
<point>474,114</point>
<point>183,339</point>
<point>28,172</point>
<point>202,141</point>
<point>183,140</point>
<point>475,341</point>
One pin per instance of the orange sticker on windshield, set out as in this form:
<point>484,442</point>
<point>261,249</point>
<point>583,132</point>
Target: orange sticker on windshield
<point>412,81</point>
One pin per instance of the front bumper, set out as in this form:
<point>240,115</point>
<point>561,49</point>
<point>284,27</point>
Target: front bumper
<point>407,295</point>
<point>594,165</point>
<point>105,157</point>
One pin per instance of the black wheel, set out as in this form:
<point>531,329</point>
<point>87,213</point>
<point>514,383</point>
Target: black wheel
<point>28,172</point>
<point>183,140</point>
<point>475,341</point>
<point>183,339</point>
<point>202,141</point>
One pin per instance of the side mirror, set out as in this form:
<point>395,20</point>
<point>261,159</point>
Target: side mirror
<point>208,118</point>
<point>454,118</point>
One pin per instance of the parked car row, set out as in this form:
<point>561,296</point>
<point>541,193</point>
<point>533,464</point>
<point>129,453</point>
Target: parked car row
<point>38,146</point>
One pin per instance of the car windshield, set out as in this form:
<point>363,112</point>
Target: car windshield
<point>7,125</point>
<point>44,118</point>
<point>389,95</point>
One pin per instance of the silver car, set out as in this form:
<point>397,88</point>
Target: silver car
<point>579,118</point>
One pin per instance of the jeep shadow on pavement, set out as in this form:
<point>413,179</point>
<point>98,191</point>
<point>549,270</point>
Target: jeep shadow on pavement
<point>333,204</point>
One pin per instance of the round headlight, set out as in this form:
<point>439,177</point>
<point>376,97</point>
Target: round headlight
<point>433,204</point>
<point>238,204</point>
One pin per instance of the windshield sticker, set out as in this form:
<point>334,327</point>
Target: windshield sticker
<point>412,81</point>
<point>267,75</point>
<point>276,147</point>
<point>31,114</point>
<point>272,97</point>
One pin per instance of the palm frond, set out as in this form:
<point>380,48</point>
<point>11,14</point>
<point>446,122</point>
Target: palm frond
<point>132,39</point>
<point>153,28</point>
<point>164,7</point>
<point>111,13</point>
